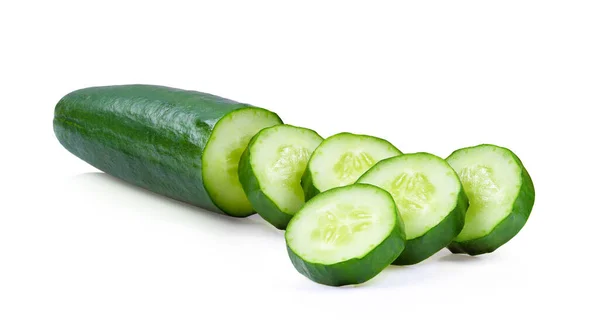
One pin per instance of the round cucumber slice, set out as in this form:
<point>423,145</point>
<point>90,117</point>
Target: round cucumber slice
<point>221,156</point>
<point>345,235</point>
<point>429,197</point>
<point>501,196</point>
<point>270,170</point>
<point>341,159</point>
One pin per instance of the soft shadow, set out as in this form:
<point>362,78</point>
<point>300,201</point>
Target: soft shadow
<point>459,258</point>
<point>268,228</point>
<point>425,271</point>
<point>101,179</point>
<point>399,276</point>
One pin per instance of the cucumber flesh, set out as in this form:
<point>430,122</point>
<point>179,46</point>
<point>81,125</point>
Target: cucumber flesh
<point>346,235</point>
<point>430,199</point>
<point>270,170</point>
<point>501,196</point>
<point>221,157</point>
<point>341,159</point>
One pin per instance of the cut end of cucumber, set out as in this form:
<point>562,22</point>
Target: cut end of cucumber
<point>491,177</point>
<point>342,158</point>
<point>221,157</point>
<point>342,224</point>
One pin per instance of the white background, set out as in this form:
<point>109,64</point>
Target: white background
<point>84,254</point>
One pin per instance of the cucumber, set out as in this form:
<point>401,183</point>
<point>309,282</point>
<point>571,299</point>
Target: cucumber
<point>345,235</point>
<point>181,144</point>
<point>270,170</point>
<point>341,159</point>
<point>430,198</point>
<point>501,196</point>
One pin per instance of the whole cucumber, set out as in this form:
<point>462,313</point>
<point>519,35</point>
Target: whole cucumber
<point>182,144</point>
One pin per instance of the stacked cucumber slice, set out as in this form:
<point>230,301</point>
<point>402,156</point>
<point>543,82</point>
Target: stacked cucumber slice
<point>351,204</point>
<point>430,199</point>
<point>473,202</point>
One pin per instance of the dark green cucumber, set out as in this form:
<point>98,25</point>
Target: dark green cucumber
<point>430,198</point>
<point>182,144</point>
<point>345,235</point>
<point>270,170</point>
<point>501,196</point>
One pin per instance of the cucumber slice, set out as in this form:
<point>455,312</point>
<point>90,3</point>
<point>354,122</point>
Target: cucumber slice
<point>501,196</point>
<point>270,170</point>
<point>346,235</point>
<point>341,159</point>
<point>430,199</point>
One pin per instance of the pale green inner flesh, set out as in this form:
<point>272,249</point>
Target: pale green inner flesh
<point>343,224</point>
<point>337,225</point>
<point>288,169</point>
<point>351,165</point>
<point>222,154</point>
<point>424,187</point>
<point>279,156</point>
<point>343,158</point>
<point>412,192</point>
<point>492,179</point>
<point>481,188</point>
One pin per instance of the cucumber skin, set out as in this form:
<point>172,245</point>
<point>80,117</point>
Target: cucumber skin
<point>508,227</point>
<point>306,182</point>
<point>356,270</point>
<point>434,240</point>
<point>150,136</point>
<point>259,200</point>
